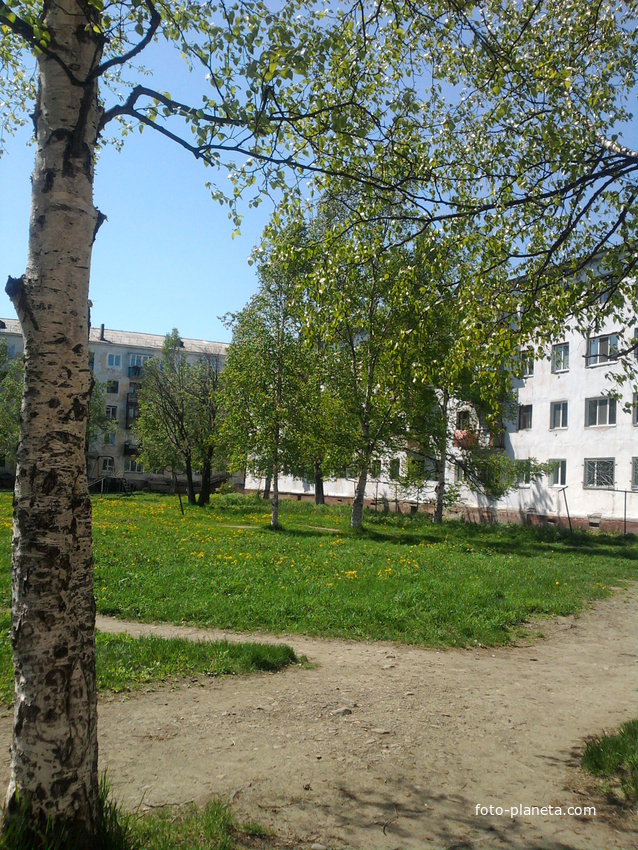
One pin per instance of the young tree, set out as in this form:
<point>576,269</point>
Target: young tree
<point>353,301</point>
<point>177,424</point>
<point>265,384</point>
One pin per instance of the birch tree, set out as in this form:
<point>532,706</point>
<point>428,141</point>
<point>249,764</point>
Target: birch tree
<point>264,384</point>
<point>298,90</point>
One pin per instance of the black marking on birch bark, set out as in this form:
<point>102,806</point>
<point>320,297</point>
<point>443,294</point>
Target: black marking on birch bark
<point>49,482</point>
<point>101,218</point>
<point>49,179</point>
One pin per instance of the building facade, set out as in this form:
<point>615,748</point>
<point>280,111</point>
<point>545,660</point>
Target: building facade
<point>117,359</point>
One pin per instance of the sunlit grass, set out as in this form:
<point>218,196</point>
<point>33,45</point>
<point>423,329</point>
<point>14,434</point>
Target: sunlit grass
<point>613,758</point>
<point>402,579</point>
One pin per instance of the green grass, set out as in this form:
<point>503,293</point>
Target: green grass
<point>614,759</point>
<point>402,579</point>
<point>124,663</point>
<point>211,828</point>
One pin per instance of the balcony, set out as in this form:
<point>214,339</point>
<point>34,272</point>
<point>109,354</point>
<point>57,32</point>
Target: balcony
<point>132,413</point>
<point>135,371</point>
<point>131,449</point>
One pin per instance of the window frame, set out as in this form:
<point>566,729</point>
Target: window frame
<point>599,359</point>
<point>599,460</point>
<point>112,387</point>
<point>563,349</point>
<point>117,361</point>
<point>558,475</point>
<point>523,472</point>
<point>563,406</point>
<point>523,411</point>
<point>601,401</point>
<point>105,465</point>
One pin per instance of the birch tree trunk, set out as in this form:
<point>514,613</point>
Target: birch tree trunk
<point>442,451</point>
<point>274,516</point>
<point>356,518</point>
<point>54,749</point>
<point>319,495</point>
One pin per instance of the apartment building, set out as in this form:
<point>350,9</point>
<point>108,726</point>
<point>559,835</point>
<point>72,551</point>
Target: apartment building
<point>117,359</point>
<point>568,413</point>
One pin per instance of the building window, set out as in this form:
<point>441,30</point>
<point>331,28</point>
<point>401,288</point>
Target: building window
<point>527,362</point>
<point>131,465</point>
<point>114,361</point>
<point>600,411</point>
<point>601,349</point>
<point>599,472</point>
<point>634,413</point>
<point>91,360</point>
<point>523,473</point>
<point>463,420</point>
<point>634,473</point>
<point>560,357</point>
<point>109,439</point>
<point>139,359</point>
<point>375,469</point>
<point>113,387</point>
<point>558,474</point>
<point>524,417</point>
<point>111,412</point>
<point>395,469</point>
<point>558,414</point>
<point>108,464</point>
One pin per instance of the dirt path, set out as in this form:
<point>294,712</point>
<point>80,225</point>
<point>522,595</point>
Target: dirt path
<point>382,746</point>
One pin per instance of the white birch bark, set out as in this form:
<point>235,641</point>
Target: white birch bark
<point>54,749</point>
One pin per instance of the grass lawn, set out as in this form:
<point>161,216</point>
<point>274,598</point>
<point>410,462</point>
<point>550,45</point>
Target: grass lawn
<point>402,579</point>
<point>613,758</point>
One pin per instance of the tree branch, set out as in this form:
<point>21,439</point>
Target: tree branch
<point>154,23</point>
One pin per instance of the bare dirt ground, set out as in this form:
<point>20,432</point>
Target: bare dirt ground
<point>379,746</point>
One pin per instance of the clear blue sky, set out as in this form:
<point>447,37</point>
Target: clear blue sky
<point>165,257</point>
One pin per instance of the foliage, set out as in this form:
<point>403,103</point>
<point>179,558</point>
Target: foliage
<point>11,377</point>
<point>97,425</point>
<point>614,757</point>
<point>177,423</point>
<point>267,381</point>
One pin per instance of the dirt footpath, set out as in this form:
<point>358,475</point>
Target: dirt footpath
<point>381,746</point>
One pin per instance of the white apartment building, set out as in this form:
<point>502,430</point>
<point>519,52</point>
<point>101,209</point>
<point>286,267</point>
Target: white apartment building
<point>117,359</point>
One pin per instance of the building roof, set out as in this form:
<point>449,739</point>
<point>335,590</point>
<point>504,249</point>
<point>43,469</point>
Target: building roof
<point>11,326</point>
<point>132,339</point>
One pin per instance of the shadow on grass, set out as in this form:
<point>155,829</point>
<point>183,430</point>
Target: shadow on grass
<point>524,542</point>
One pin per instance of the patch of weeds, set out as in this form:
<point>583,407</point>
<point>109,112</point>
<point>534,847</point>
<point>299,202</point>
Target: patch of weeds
<point>189,828</point>
<point>614,759</point>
